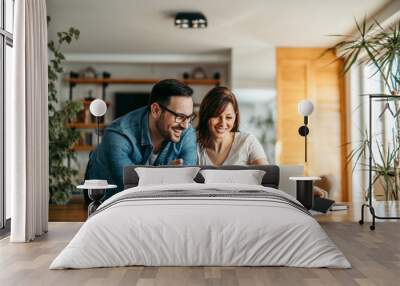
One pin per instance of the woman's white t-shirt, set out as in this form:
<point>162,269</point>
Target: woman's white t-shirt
<point>245,149</point>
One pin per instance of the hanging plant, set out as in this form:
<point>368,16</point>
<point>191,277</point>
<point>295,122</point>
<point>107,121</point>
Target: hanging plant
<point>61,138</point>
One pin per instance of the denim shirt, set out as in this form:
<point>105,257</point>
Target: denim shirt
<point>127,142</point>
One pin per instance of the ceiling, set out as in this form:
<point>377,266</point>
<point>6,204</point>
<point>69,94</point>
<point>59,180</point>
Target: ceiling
<point>143,26</point>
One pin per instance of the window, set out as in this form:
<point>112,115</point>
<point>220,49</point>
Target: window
<point>364,79</point>
<point>6,61</point>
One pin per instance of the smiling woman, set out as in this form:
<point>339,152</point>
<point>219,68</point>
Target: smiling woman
<point>218,136</point>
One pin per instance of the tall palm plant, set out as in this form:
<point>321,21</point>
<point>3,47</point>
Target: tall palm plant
<point>375,46</point>
<point>379,48</point>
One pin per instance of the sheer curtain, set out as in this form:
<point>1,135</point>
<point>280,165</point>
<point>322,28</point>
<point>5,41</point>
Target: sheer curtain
<point>27,124</point>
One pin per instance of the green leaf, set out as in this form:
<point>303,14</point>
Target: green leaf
<point>61,138</point>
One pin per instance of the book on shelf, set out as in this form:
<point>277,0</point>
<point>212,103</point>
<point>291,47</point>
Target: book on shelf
<point>88,138</point>
<point>339,207</point>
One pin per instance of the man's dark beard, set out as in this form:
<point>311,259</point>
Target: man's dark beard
<point>165,133</point>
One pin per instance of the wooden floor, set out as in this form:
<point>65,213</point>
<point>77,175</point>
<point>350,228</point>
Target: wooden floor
<point>374,255</point>
<point>75,210</point>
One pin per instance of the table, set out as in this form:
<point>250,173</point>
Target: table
<point>95,194</point>
<point>304,190</point>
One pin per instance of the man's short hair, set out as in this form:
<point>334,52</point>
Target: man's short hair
<point>163,90</point>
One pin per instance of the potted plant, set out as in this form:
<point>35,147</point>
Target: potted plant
<point>379,48</point>
<point>61,138</point>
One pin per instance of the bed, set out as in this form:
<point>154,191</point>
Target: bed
<point>201,224</point>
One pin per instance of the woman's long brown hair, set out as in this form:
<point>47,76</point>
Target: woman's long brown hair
<point>213,104</point>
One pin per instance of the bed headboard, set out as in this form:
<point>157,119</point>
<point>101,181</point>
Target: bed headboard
<point>270,179</point>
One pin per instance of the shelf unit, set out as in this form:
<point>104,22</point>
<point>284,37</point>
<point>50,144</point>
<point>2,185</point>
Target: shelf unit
<point>84,122</point>
<point>136,81</point>
<point>106,79</point>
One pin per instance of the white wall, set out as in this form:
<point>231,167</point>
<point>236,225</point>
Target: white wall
<point>253,67</point>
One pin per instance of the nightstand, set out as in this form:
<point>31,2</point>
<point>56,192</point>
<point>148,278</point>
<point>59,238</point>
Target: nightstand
<point>96,190</point>
<point>304,190</point>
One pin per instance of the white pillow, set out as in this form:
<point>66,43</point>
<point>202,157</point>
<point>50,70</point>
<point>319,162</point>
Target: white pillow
<point>248,177</point>
<point>166,176</point>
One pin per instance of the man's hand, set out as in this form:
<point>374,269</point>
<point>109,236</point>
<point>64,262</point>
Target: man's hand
<point>318,192</point>
<point>177,162</point>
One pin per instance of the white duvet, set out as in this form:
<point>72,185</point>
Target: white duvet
<point>188,231</point>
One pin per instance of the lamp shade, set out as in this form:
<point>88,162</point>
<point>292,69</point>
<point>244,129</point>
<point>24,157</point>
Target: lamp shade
<point>98,107</point>
<point>305,107</point>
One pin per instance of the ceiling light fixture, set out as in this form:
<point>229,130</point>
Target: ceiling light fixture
<point>194,20</point>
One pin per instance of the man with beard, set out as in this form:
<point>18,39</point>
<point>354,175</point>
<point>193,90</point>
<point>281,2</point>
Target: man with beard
<point>158,134</point>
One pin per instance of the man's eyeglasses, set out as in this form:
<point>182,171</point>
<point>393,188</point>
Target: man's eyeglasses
<point>179,117</point>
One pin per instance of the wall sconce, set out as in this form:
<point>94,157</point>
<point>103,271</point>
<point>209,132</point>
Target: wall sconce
<point>305,109</point>
<point>98,108</point>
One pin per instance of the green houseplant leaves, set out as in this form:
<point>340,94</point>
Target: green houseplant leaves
<point>61,138</point>
<point>379,48</point>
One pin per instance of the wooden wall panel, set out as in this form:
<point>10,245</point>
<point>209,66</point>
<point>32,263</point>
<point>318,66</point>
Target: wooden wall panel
<point>303,74</point>
<point>293,83</point>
